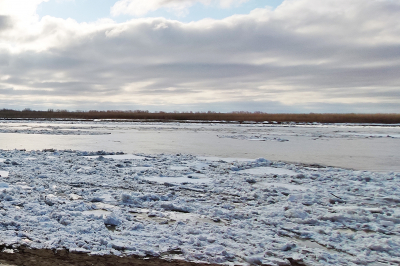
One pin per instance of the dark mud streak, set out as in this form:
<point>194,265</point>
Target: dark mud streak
<point>31,257</point>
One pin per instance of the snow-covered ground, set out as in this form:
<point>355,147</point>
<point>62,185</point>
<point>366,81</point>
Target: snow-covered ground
<point>210,209</point>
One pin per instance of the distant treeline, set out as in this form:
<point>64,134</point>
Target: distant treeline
<point>202,116</point>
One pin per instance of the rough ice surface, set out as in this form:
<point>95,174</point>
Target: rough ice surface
<point>249,212</point>
<point>268,171</point>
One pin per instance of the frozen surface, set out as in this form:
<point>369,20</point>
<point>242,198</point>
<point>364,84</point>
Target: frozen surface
<point>47,129</point>
<point>268,171</point>
<point>317,216</point>
<point>362,147</point>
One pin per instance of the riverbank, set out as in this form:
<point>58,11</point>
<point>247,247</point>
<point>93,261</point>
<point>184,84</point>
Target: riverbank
<point>379,118</point>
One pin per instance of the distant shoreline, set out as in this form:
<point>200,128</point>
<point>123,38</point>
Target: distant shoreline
<point>201,117</point>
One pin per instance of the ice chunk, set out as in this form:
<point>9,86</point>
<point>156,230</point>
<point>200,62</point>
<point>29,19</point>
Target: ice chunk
<point>3,173</point>
<point>112,220</point>
<point>173,207</point>
<point>74,196</point>
<point>263,160</point>
<point>102,198</point>
<point>125,198</point>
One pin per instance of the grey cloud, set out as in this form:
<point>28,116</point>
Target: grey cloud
<point>7,91</point>
<point>5,22</point>
<point>256,57</point>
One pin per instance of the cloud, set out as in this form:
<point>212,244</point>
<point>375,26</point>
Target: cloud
<point>303,56</point>
<point>140,8</point>
<point>5,22</point>
<point>21,9</point>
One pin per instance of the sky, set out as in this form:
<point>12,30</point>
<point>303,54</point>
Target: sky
<point>276,56</point>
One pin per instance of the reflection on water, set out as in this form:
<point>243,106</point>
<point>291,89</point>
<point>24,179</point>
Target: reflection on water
<point>357,147</point>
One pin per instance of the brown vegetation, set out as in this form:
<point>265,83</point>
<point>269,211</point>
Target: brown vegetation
<point>202,116</point>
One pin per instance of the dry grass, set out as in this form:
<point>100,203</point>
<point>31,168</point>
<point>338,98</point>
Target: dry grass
<point>203,116</point>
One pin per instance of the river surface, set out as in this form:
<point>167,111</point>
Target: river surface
<point>360,147</point>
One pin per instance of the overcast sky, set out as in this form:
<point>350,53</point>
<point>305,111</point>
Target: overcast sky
<point>199,55</point>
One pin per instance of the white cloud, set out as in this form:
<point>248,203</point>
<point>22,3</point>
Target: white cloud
<point>303,55</point>
<point>21,9</point>
<point>140,8</point>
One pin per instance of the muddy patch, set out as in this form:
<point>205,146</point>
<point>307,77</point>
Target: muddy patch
<point>30,257</point>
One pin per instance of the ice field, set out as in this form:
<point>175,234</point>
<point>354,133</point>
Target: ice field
<point>231,194</point>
